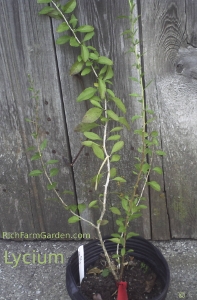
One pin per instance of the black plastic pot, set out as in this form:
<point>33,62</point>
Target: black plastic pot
<point>143,250</point>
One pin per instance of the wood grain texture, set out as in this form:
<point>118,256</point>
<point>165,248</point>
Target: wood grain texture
<point>27,47</point>
<point>109,42</point>
<point>172,95</point>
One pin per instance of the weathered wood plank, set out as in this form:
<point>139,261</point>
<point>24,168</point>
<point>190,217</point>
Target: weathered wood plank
<point>26,46</point>
<point>166,25</point>
<point>109,42</point>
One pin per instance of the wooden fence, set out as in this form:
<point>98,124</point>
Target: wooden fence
<point>168,31</point>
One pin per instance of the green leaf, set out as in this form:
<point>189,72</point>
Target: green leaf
<point>154,185</point>
<point>62,39</point>
<point>86,71</point>
<point>43,1</point>
<point>101,88</point>
<point>32,148</point>
<point>105,61</point>
<point>135,117</point>
<point>102,222</point>
<point>115,240</point>
<point>110,92</point>
<point>54,172</point>
<point>123,121</point>
<point>73,20</point>
<point>81,207</point>
<point>115,157</point>
<point>84,53</point>
<point>160,152</point>
<point>35,173</point>
<point>86,94</point>
<point>43,145</point>
<point>98,151</point>
<point>120,179</point>
<point>36,156</point>
<point>92,115</point>
<point>114,137</point>
<point>62,27</point>
<point>93,204</point>
<point>134,79</point>
<point>69,7</point>
<point>55,14</point>
<point>109,74</point>
<point>105,272</point>
<point>28,120</point>
<point>119,104</point>
<point>87,143</point>
<point>52,161</point>
<point>76,67</point>
<point>46,10</point>
<point>113,172</point>
<point>85,28</point>
<point>125,204</point>
<point>131,234</point>
<point>145,168</point>
<point>123,251</point>
<point>96,103</point>
<point>112,115</point>
<point>73,42</point>
<point>93,56</point>
<point>103,70</point>
<point>73,219</point>
<point>115,210</point>
<point>116,129</point>
<point>158,170</point>
<point>51,186</point>
<point>92,136</point>
<point>85,127</point>
<point>134,95</point>
<point>154,133</point>
<point>88,36</point>
<point>117,146</point>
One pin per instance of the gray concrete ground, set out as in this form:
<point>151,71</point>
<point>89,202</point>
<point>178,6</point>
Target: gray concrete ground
<point>35,281</point>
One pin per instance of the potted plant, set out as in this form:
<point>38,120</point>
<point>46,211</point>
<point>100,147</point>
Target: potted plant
<point>122,249</point>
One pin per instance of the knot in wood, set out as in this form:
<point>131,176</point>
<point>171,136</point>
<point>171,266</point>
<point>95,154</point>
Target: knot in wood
<point>179,68</point>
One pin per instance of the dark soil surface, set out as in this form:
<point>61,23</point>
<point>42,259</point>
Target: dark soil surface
<point>142,282</point>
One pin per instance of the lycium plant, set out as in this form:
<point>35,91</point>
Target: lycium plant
<point>106,145</point>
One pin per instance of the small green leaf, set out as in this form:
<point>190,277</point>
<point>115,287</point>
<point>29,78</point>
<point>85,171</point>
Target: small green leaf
<point>101,88</point>
<point>115,240</point>
<point>115,210</point>
<point>112,115</point>
<point>46,10</point>
<point>73,20</point>
<point>62,27</point>
<point>51,186</point>
<point>105,61</point>
<point>135,117</point>
<point>116,129</point>
<point>84,53</point>
<point>120,179</point>
<point>43,1</point>
<point>98,151</point>
<point>35,173</point>
<point>123,121</point>
<point>73,42</point>
<point>105,272</point>
<point>69,7</point>
<point>36,156</point>
<point>113,172</point>
<point>28,120</point>
<point>73,219</point>
<point>54,172</point>
<point>96,103</point>
<point>110,92</point>
<point>160,152</point>
<point>154,185</point>
<point>115,158</point>
<point>86,94</point>
<point>158,170</point>
<point>109,74</point>
<point>92,115</point>
<point>88,36</point>
<point>117,146</point>
<point>154,133</point>
<point>131,234</point>
<point>87,143</point>
<point>123,251</point>
<point>93,204</point>
<point>92,136</point>
<point>86,71</point>
<point>85,127</point>
<point>52,161</point>
<point>43,145</point>
<point>76,67</point>
<point>103,70</point>
<point>102,222</point>
<point>134,95</point>
<point>134,79</point>
<point>145,168</point>
<point>85,28</point>
<point>93,56</point>
<point>63,39</point>
<point>119,104</point>
<point>32,148</point>
<point>81,207</point>
<point>114,137</point>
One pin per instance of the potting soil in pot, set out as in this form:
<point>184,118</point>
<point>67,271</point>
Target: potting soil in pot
<point>142,282</point>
